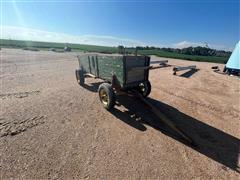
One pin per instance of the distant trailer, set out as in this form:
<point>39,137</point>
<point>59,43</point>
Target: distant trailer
<point>67,49</point>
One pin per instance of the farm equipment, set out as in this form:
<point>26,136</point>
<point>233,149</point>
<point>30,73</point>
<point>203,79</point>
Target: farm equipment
<point>120,73</point>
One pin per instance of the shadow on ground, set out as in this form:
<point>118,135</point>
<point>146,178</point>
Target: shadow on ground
<point>208,140</point>
<point>92,86</point>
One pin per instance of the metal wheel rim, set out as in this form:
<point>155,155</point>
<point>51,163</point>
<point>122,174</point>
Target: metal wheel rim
<point>142,87</point>
<point>103,96</point>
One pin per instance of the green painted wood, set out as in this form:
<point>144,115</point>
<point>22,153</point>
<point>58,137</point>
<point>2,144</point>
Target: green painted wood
<point>105,66</point>
<point>83,62</point>
<point>109,65</point>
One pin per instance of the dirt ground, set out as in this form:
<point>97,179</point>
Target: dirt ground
<point>50,127</point>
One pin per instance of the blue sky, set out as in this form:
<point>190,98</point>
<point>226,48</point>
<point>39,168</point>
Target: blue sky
<point>163,23</point>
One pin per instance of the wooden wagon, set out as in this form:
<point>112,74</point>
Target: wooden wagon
<point>120,73</point>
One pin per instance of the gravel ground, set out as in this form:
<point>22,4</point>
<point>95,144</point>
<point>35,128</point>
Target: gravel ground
<point>50,127</point>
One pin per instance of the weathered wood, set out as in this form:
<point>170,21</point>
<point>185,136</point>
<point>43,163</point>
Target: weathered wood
<point>136,62</point>
<point>134,76</point>
<point>127,69</point>
<point>163,117</point>
<point>181,68</point>
<point>158,67</point>
<point>162,62</point>
<point>90,75</point>
<point>140,68</point>
<point>109,65</point>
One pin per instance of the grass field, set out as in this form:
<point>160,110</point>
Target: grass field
<point>47,45</point>
<point>105,49</point>
<point>159,53</point>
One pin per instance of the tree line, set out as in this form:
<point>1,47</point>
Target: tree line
<point>199,50</point>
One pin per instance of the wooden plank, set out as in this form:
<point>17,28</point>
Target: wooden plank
<point>158,67</point>
<point>90,75</point>
<point>97,66</point>
<point>159,62</point>
<point>89,65</point>
<point>109,65</point>
<point>181,68</point>
<point>135,76</point>
<point>135,68</point>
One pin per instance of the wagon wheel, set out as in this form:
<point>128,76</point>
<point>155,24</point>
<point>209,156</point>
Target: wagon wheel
<point>144,88</point>
<point>106,96</point>
<point>80,77</point>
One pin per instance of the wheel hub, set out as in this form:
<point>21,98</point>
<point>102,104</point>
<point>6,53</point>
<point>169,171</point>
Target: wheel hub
<point>104,97</point>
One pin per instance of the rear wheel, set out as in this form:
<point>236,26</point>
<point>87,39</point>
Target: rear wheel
<point>106,96</point>
<point>144,88</point>
<point>80,77</point>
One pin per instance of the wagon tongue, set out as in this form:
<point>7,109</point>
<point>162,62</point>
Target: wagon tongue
<point>164,118</point>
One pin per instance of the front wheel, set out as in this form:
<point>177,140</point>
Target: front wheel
<point>144,88</point>
<point>106,96</point>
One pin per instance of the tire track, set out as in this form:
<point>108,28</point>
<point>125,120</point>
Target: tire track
<point>19,94</point>
<point>15,127</point>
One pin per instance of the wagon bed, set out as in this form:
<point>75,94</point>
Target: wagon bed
<point>128,70</point>
<point>120,73</point>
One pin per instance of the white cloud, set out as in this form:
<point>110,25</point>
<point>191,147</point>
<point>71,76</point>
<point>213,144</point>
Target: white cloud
<point>185,44</point>
<point>20,33</point>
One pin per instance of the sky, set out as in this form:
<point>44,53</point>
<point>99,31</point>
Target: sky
<point>160,23</point>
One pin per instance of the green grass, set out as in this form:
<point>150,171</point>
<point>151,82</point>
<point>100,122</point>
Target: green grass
<point>47,45</point>
<point>214,59</point>
<point>105,49</point>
